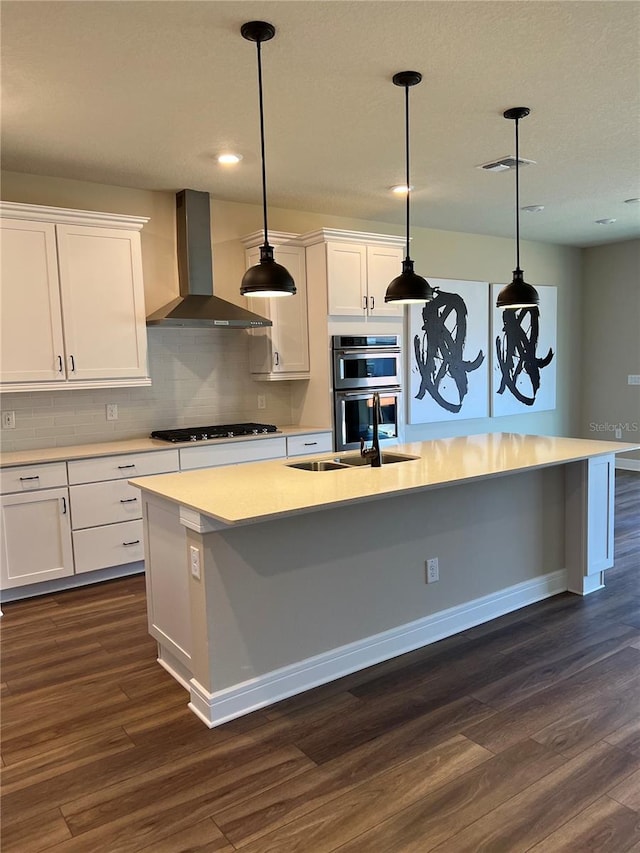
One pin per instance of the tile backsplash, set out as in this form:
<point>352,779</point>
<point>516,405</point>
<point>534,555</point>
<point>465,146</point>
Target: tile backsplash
<point>199,377</point>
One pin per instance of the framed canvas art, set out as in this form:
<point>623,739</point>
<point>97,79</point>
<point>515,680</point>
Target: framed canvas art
<point>523,355</point>
<point>447,353</point>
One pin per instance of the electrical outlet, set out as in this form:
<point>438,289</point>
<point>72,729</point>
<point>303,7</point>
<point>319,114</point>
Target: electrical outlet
<point>618,432</point>
<point>633,379</point>
<point>433,572</point>
<point>262,401</point>
<point>112,411</point>
<point>195,562</point>
<point>8,420</point>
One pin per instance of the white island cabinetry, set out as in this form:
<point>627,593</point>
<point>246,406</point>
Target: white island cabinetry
<point>73,299</point>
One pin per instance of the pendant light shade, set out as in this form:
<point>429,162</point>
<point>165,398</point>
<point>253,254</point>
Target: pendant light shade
<point>518,294</point>
<point>267,278</point>
<point>408,287</point>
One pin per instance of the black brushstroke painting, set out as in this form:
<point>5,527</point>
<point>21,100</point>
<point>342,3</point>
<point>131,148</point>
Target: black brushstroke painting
<point>439,354</point>
<point>516,353</point>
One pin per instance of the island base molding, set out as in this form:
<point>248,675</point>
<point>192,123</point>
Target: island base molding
<point>220,707</point>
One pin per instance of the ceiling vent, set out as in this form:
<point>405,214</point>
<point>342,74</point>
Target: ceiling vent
<point>505,164</point>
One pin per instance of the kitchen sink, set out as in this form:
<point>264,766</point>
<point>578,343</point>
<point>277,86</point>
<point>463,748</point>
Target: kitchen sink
<point>388,458</point>
<point>317,465</point>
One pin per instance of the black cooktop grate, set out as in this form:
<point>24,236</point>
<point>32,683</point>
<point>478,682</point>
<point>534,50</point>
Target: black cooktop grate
<point>203,433</point>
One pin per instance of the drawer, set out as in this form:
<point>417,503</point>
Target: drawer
<point>112,545</point>
<point>104,503</point>
<point>25,478</point>
<point>317,442</point>
<point>232,453</point>
<point>122,466</point>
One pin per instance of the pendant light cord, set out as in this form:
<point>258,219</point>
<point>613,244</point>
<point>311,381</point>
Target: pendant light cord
<point>262,150</point>
<point>517,201</point>
<point>406,125</point>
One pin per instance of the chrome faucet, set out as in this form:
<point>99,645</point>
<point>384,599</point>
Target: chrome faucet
<point>373,452</point>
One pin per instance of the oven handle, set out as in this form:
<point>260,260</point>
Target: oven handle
<point>393,389</point>
<point>368,350</point>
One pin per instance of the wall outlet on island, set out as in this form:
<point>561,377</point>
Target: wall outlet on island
<point>262,401</point>
<point>112,411</point>
<point>8,420</point>
<point>433,571</point>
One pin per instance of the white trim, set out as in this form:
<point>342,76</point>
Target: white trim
<point>590,583</point>
<point>337,235</point>
<point>74,385</point>
<point>276,238</point>
<point>174,667</point>
<point>41,213</point>
<point>628,464</point>
<point>227,704</point>
<point>198,522</point>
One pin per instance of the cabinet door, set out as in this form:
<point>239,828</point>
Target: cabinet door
<point>384,263</point>
<point>282,351</point>
<point>102,302</point>
<point>36,537</point>
<point>289,317</point>
<point>31,347</point>
<point>347,279</point>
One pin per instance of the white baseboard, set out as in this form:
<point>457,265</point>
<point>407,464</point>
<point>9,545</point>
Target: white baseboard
<point>16,593</point>
<point>224,705</point>
<point>628,464</point>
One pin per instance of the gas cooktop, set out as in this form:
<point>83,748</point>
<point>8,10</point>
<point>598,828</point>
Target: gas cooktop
<point>204,433</point>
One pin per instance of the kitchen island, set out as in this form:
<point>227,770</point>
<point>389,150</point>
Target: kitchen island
<point>264,579</point>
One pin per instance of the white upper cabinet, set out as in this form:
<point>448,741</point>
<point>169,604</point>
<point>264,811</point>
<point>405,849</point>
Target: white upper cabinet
<point>72,299</point>
<point>280,351</point>
<point>359,268</point>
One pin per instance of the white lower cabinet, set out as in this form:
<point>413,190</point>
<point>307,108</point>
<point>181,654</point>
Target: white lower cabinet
<point>316,442</point>
<point>36,537</point>
<point>106,512</point>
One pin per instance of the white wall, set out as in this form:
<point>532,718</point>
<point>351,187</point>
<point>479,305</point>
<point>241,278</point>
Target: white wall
<point>611,341</point>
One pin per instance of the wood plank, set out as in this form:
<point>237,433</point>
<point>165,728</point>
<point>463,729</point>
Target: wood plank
<point>605,826</point>
<point>432,820</point>
<point>539,810</point>
<point>31,837</point>
<point>627,736</point>
<point>628,792</point>
<point>203,836</point>
<point>290,800</point>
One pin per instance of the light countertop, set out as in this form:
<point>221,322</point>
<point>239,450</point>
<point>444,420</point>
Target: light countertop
<point>133,445</point>
<point>260,491</point>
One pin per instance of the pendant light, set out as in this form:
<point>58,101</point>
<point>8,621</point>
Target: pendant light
<point>408,287</point>
<point>266,278</point>
<point>518,294</point>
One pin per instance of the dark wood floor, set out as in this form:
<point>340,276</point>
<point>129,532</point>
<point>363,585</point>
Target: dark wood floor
<point>521,734</point>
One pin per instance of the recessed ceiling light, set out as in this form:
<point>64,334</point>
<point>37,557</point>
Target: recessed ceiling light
<point>533,208</point>
<point>400,189</point>
<point>632,201</point>
<point>605,221</point>
<point>229,159</point>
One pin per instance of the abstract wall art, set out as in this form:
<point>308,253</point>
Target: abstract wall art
<point>523,355</point>
<point>447,353</point>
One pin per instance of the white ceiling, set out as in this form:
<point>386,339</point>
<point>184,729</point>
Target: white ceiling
<point>145,94</point>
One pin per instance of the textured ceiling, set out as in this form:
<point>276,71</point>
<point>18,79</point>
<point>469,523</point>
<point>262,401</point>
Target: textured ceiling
<point>145,94</point>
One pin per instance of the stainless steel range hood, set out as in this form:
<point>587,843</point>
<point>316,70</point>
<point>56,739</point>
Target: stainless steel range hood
<point>197,306</point>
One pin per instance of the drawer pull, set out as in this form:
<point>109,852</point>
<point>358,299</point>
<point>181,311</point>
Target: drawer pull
<point>310,443</point>
<point>135,542</point>
<point>37,477</point>
<point>59,364</point>
<point>126,466</point>
<point>64,506</point>
<point>73,364</point>
<point>127,500</point>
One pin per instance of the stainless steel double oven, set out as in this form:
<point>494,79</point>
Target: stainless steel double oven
<point>363,364</point>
